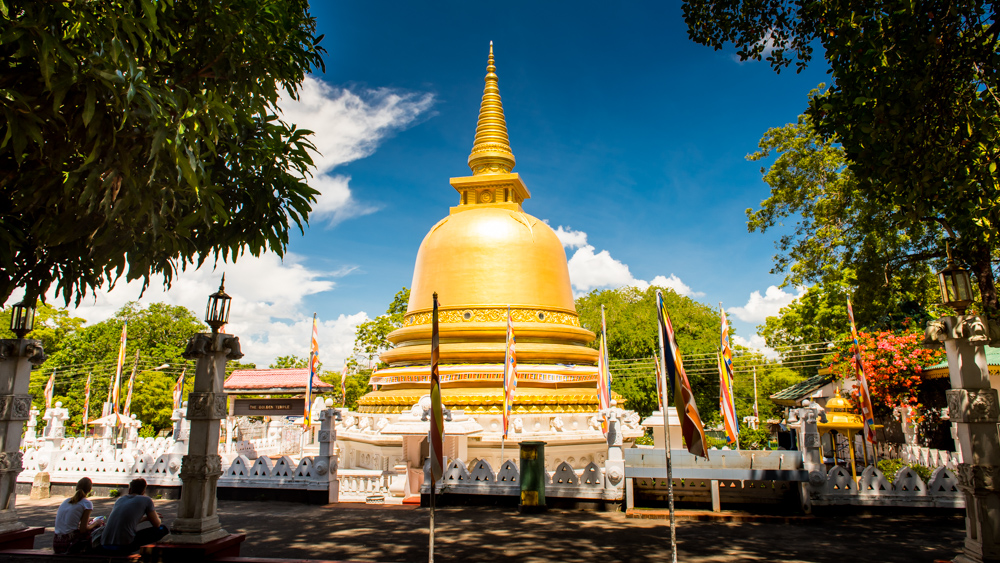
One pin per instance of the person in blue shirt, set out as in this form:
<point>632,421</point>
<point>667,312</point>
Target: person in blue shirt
<point>120,535</point>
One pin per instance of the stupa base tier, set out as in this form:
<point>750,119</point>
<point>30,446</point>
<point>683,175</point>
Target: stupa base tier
<point>488,400</point>
<point>366,442</point>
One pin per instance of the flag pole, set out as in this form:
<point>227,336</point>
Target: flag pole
<point>755,412</point>
<point>666,436</point>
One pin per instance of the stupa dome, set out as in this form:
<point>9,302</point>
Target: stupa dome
<point>485,259</point>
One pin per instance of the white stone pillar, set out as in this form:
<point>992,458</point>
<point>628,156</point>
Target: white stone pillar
<point>974,409</point>
<point>326,463</point>
<point>30,434</point>
<point>614,466</point>
<point>805,419</point>
<point>16,358</point>
<point>197,519</point>
<point>132,426</point>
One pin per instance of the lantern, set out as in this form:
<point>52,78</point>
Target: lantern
<point>217,311</point>
<point>956,288</point>
<point>22,319</point>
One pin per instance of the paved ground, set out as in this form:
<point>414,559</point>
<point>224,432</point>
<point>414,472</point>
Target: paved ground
<point>399,533</point>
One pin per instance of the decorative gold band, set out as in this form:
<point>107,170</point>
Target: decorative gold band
<point>494,315</point>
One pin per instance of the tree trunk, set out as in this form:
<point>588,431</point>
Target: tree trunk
<point>982,267</point>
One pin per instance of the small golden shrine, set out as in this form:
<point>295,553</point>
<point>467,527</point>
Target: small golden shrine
<point>485,256</point>
<point>841,418</point>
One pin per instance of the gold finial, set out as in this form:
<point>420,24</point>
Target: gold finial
<point>491,152</point>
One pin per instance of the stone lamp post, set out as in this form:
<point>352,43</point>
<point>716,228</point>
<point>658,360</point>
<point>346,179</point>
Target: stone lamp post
<point>973,407</point>
<point>197,519</point>
<point>16,358</point>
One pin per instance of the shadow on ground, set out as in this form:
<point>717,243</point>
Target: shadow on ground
<point>396,533</point>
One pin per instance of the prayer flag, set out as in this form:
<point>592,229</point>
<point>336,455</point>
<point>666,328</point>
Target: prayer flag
<point>178,391</point>
<point>509,375</point>
<point>437,412</point>
<point>343,384</point>
<point>603,373</point>
<point>86,401</point>
<point>867,412</point>
<point>679,386</point>
<point>313,362</point>
<point>49,390</point>
<point>131,383</point>
<point>660,389</point>
<point>727,400</point>
<point>115,383</point>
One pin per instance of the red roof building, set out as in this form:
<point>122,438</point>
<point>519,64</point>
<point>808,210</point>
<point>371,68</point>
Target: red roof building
<point>272,382</point>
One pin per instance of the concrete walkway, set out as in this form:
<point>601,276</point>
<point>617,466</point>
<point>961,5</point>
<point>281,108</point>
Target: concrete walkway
<point>399,533</point>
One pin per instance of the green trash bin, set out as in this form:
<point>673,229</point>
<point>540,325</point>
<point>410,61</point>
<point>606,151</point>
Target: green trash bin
<point>532,477</point>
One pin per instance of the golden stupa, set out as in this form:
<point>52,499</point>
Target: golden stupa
<point>485,256</point>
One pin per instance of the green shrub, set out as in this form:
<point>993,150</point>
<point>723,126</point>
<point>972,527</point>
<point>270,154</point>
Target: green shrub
<point>114,493</point>
<point>889,468</point>
<point>644,440</point>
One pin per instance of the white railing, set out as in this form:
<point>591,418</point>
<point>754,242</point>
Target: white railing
<point>356,485</point>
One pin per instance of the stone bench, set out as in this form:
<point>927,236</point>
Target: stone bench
<point>46,556</point>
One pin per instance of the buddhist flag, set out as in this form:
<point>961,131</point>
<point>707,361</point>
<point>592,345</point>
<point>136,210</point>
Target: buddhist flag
<point>371,378</point>
<point>116,382</point>
<point>313,363</point>
<point>727,401</point>
<point>86,401</point>
<point>131,383</point>
<point>867,413</point>
<point>49,390</point>
<point>437,411</point>
<point>178,391</point>
<point>603,373</point>
<point>343,384</point>
<point>679,386</point>
<point>660,388</point>
<point>509,375</point>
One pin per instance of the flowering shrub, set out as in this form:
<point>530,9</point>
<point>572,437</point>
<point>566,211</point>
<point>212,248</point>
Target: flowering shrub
<point>893,364</point>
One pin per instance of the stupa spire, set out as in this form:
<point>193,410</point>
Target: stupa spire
<point>491,152</point>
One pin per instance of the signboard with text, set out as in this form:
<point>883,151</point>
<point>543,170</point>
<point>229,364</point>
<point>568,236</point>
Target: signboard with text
<point>269,407</point>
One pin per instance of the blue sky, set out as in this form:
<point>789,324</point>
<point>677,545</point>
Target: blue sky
<point>623,129</point>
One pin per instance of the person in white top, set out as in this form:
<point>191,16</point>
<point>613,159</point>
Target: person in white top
<point>74,526</point>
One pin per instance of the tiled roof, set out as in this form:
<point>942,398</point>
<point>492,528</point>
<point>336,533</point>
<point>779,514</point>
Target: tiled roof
<point>992,359</point>
<point>293,379</point>
<point>801,389</point>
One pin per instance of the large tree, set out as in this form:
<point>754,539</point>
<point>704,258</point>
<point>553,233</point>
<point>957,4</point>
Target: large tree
<point>139,137</point>
<point>371,337</point>
<point>632,334</point>
<point>914,103</point>
<point>157,335</point>
<point>840,243</point>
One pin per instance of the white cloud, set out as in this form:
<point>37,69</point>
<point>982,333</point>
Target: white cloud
<point>756,342</point>
<point>347,126</point>
<point>267,312</point>
<point>570,238</point>
<point>591,270</point>
<point>759,307</point>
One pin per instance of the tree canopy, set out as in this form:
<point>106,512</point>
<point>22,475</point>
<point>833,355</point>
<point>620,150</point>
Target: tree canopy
<point>371,337</point>
<point>157,335</point>
<point>140,137</point>
<point>632,333</point>
<point>914,105</point>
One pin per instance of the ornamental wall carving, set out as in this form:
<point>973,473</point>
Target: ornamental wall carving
<point>494,315</point>
<point>206,406</point>
<point>973,405</point>
<point>201,466</point>
<point>15,407</point>
<point>10,462</point>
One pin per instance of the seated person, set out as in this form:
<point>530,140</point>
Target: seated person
<point>73,524</point>
<point>120,536</point>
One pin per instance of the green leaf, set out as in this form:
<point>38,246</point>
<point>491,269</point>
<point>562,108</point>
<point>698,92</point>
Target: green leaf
<point>88,105</point>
